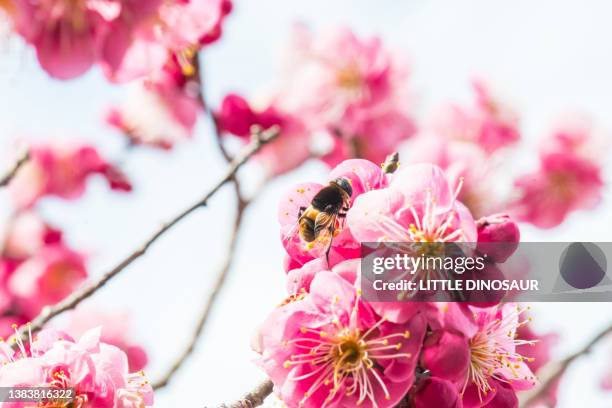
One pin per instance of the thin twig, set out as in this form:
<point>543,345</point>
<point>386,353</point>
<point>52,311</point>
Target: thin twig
<point>78,296</point>
<point>555,372</point>
<point>10,174</point>
<point>210,302</point>
<point>242,204</point>
<point>253,398</point>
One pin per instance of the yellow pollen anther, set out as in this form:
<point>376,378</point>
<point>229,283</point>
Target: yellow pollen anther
<point>407,334</point>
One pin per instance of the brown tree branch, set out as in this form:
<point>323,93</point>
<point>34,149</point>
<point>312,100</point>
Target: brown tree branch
<point>70,302</point>
<point>212,298</point>
<point>553,373</point>
<point>253,398</point>
<point>12,171</point>
<point>242,204</point>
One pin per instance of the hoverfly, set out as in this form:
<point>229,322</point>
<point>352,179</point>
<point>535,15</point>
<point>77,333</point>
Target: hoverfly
<point>318,222</point>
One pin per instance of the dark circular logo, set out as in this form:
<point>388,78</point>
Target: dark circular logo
<point>583,265</point>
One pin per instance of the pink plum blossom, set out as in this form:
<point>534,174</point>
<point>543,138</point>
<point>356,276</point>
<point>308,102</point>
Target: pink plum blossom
<point>137,48</point>
<point>129,39</point>
<point>329,349</point>
<point>489,123</point>
<point>418,206</point>
<point>578,135</point>
<point>161,110</point>
<point>67,36</point>
<point>569,177</point>
<point>562,184</point>
<point>36,267</point>
<point>289,150</point>
<point>62,170</point>
<point>353,87</point>
<point>46,278</point>
<point>27,233</point>
<point>97,372</point>
<point>492,342</point>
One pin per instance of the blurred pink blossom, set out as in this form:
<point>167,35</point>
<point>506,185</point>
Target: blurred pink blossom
<point>288,151</point>
<point>67,37</point>
<point>129,39</point>
<point>26,234</point>
<point>569,176</point>
<point>136,49</point>
<point>37,268</point>
<point>62,170</point>
<point>489,123</point>
<point>161,110</point>
<point>46,278</point>
<point>354,88</point>
<point>562,184</point>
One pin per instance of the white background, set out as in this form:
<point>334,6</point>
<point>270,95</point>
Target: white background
<point>546,57</point>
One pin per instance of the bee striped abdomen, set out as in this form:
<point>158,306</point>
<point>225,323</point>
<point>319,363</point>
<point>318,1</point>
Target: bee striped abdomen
<point>307,225</point>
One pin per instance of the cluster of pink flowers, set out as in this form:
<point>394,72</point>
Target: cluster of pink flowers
<point>568,178</point>
<point>62,170</point>
<point>97,372</point>
<point>38,267</point>
<point>128,39</point>
<point>326,346</point>
<point>341,96</point>
<point>473,145</point>
<point>162,109</point>
<point>154,44</point>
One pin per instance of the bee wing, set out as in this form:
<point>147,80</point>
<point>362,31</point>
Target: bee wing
<point>324,221</point>
<point>324,238</point>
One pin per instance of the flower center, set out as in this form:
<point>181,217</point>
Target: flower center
<point>563,185</point>
<point>351,351</point>
<point>344,358</point>
<point>349,78</point>
<point>432,227</point>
